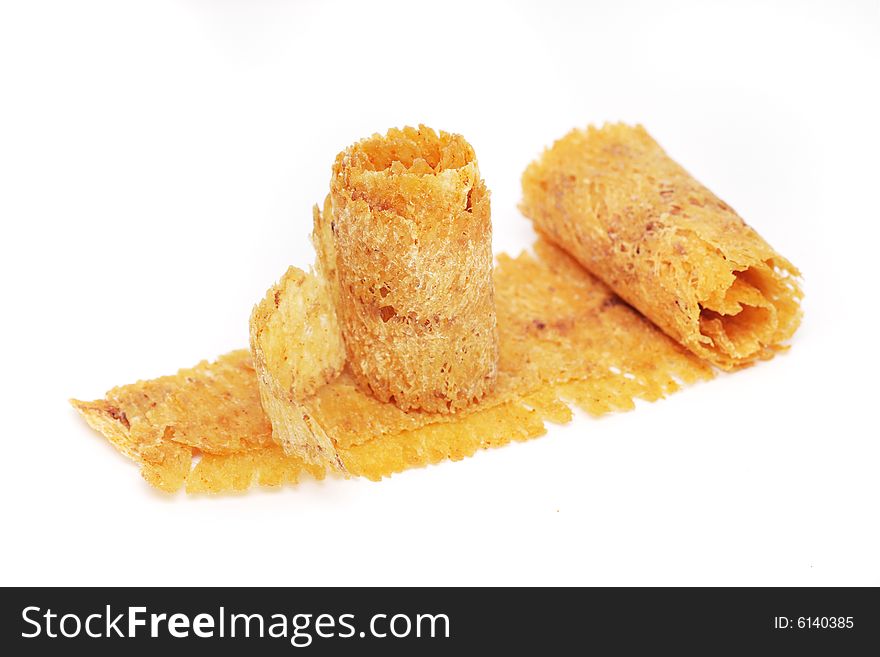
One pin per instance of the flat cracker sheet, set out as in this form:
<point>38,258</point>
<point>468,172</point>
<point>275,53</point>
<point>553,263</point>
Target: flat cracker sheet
<point>564,339</point>
<point>297,347</point>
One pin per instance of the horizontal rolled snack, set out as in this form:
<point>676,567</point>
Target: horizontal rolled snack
<point>409,255</point>
<point>297,347</point>
<point>632,216</point>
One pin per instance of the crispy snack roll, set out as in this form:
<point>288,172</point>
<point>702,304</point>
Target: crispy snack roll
<point>412,241</point>
<point>615,201</point>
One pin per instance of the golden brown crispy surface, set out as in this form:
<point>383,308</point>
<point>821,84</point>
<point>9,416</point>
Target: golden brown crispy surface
<point>556,322</point>
<point>268,466</point>
<point>297,348</point>
<point>411,238</point>
<point>613,199</point>
<point>158,423</point>
<point>564,338</point>
<point>295,334</point>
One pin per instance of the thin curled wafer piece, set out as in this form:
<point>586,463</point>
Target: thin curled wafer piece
<point>564,338</point>
<point>297,348</point>
<point>411,237</point>
<point>617,203</point>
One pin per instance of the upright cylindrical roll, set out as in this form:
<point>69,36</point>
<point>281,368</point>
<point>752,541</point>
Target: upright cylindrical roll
<point>629,214</point>
<point>412,243</point>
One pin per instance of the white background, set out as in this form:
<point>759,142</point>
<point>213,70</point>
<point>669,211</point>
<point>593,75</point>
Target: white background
<point>158,163</point>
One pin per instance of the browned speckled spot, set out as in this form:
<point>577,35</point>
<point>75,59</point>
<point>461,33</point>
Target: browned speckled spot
<point>118,415</point>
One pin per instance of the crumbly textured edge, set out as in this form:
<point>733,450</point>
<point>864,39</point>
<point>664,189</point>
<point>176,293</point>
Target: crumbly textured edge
<point>162,423</point>
<point>565,339</point>
<point>615,201</point>
<point>411,236</point>
<point>297,348</point>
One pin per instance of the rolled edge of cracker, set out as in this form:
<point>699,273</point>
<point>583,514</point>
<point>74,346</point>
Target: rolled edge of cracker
<point>614,200</point>
<point>297,347</point>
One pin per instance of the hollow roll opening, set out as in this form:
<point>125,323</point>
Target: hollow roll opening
<point>742,321</point>
<point>413,150</point>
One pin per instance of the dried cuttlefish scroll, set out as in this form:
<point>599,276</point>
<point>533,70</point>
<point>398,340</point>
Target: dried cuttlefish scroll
<point>615,201</point>
<point>564,338</point>
<point>411,236</point>
<point>297,348</point>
